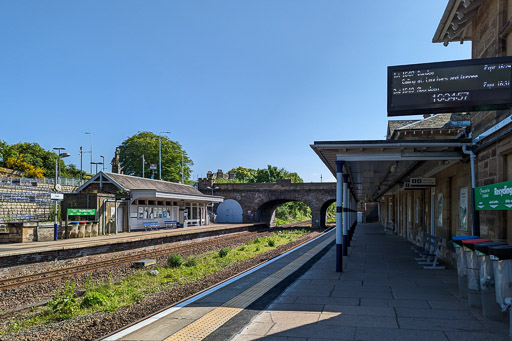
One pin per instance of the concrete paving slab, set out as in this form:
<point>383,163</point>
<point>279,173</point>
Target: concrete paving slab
<point>360,321</point>
<point>475,336</point>
<point>360,311</point>
<point>380,334</point>
<point>257,328</point>
<point>334,332</point>
<point>441,324</point>
<point>297,307</point>
<point>434,313</point>
<point>327,300</point>
<point>361,294</point>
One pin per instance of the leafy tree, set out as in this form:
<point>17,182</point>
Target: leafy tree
<point>146,143</point>
<point>25,154</point>
<point>244,174</point>
<point>19,164</point>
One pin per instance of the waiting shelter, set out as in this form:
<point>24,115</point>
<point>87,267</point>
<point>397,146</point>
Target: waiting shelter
<point>386,172</point>
<point>127,203</point>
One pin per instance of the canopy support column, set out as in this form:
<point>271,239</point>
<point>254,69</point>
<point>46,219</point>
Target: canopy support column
<point>339,227</point>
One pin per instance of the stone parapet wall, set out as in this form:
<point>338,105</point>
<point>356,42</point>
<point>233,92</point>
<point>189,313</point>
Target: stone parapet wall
<point>25,201</point>
<point>30,232</point>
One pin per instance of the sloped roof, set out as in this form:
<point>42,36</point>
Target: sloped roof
<point>393,125</point>
<point>128,183</point>
<point>439,121</point>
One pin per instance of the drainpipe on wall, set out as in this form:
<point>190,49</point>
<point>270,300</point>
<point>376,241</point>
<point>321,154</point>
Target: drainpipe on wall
<point>474,212</point>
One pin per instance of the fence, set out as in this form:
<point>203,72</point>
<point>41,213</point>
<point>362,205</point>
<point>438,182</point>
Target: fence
<point>29,181</point>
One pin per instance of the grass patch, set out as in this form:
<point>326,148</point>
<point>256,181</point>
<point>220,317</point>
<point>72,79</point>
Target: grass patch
<point>108,296</point>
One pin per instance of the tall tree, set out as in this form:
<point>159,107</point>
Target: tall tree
<point>146,143</point>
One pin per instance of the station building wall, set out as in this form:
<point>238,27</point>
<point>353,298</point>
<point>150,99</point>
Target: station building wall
<point>492,37</point>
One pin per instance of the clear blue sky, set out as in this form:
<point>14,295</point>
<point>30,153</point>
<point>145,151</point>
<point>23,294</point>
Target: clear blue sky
<point>238,83</point>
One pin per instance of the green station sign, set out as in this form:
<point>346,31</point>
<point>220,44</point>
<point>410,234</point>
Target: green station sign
<point>494,197</point>
<point>81,211</point>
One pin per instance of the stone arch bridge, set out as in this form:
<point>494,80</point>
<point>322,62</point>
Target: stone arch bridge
<point>260,200</point>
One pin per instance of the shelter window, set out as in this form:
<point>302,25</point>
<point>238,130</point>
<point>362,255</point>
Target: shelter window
<point>142,202</point>
<point>160,203</point>
<point>151,202</point>
<point>168,203</point>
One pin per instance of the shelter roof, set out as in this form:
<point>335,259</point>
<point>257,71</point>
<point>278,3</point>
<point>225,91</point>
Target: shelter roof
<point>456,22</point>
<point>129,183</point>
<point>375,167</point>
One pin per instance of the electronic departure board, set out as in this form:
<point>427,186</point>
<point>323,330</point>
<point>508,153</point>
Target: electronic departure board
<point>456,86</point>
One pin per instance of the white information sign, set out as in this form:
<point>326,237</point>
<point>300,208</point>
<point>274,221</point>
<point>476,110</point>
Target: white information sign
<point>57,196</point>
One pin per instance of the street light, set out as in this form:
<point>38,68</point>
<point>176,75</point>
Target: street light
<point>103,162</point>
<point>214,188</point>
<point>160,153</point>
<point>57,187</point>
<point>96,165</point>
<point>87,133</point>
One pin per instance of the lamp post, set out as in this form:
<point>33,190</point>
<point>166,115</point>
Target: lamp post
<point>160,153</point>
<point>102,163</point>
<point>88,133</point>
<point>96,165</point>
<point>143,162</point>
<point>57,188</point>
<point>81,163</point>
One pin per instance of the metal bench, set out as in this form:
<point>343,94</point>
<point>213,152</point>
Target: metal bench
<point>151,225</point>
<point>171,224</point>
<point>430,255</point>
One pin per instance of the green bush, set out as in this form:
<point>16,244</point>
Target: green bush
<point>174,261</point>
<point>190,262</point>
<point>63,302</point>
<point>224,252</point>
<point>93,299</point>
<point>271,242</point>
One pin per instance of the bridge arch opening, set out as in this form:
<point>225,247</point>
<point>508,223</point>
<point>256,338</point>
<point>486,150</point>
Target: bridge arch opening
<point>229,211</point>
<point>328,212</point>
<point>284,211</point>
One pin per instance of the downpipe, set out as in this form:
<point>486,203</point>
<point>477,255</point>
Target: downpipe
<point>475,214</point>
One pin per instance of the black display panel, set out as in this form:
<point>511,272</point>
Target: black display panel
<point>445,87</point>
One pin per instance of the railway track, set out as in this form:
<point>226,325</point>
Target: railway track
<point>18,281</point>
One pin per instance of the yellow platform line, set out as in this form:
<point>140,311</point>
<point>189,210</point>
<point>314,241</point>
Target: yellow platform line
<point>211,321</point>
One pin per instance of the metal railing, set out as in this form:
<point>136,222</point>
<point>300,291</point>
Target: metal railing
<point>29,181</point>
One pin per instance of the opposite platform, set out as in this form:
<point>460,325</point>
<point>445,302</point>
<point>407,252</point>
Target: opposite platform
<point>26,253</point>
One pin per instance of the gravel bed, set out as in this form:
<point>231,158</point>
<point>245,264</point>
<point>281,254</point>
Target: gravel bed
<point>95,325</point>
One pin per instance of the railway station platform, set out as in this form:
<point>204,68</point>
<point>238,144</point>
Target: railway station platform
<point>383,294</point>
<point>26,253</point>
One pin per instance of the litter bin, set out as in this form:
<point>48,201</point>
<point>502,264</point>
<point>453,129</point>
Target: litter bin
<point>502,266</point>
<point>490,308</point>
<point>473,271</point>
<point>462,272</point>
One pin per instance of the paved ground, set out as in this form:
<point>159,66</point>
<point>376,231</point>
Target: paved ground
<point>76,243</point>
<point>381,295</point>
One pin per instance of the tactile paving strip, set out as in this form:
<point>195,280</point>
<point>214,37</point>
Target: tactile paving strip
<point>210,322</point>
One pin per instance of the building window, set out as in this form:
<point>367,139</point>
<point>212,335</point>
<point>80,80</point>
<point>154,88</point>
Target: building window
<point>151,202</point>
<point>160,203</point>
<point>142,202</point>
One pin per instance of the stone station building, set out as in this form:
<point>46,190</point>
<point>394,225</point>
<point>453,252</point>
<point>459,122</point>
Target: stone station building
<point>125,203</point>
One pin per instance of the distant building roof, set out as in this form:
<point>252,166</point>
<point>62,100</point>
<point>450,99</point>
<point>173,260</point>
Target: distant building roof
<point>440,124</point>
<point>393,125</point>
<point>129,183</point>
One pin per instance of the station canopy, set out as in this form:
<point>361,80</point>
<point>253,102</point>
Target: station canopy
<point>377,167</point>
